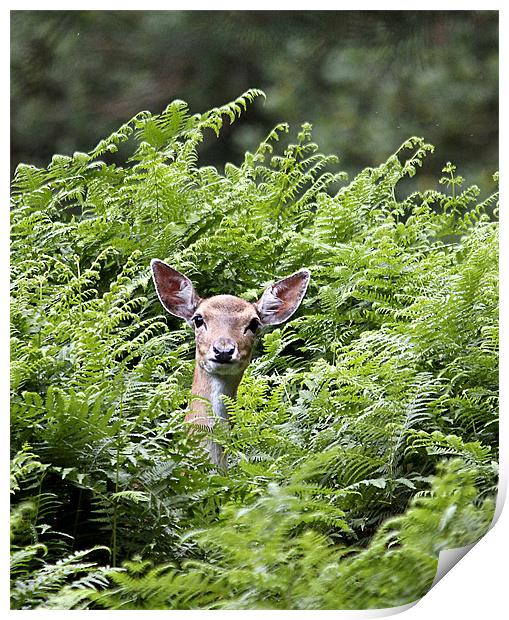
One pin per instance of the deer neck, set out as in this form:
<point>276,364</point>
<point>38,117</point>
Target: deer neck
<point>209,391</point>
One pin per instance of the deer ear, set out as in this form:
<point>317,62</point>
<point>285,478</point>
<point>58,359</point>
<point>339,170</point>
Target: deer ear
<point>175,291</point>
<point>281,300</point>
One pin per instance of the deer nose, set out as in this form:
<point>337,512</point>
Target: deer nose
<point>224,348</point>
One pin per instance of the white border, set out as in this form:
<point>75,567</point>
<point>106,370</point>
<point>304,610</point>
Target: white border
<point>476,587</point>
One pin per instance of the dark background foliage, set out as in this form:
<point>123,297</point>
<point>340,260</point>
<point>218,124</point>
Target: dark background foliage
<point>366,79</point>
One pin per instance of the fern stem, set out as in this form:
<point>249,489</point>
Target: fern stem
<point>117,477</point>
<point>75,526</point>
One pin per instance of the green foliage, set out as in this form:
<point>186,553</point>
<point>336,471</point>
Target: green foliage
<point>390,368</point>
<point>260,557</point>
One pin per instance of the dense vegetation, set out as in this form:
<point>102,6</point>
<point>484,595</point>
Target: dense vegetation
<point>364,437</point>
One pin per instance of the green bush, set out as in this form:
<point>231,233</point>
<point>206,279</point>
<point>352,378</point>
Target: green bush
<point>333,498</point>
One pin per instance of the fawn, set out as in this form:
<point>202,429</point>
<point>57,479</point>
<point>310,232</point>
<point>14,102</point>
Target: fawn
<point>224,328</point>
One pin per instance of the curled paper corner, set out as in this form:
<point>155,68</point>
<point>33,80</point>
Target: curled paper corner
<point>390,611</point>
<point>383,612</point>
<point>448,558</point>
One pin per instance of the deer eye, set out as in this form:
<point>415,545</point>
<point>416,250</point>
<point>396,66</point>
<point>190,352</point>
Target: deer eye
<point>198,320</point>
<point>254,324</point>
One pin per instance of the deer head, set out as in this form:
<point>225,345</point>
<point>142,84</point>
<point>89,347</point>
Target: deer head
<point>225,327</point>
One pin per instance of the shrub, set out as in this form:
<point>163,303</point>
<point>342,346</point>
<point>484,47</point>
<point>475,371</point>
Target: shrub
<point>341,420</point>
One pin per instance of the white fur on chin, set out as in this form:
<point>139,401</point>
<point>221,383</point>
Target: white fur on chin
<point>216,368</point>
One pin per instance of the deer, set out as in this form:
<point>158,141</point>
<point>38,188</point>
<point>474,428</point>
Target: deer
<point>225,329</point>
